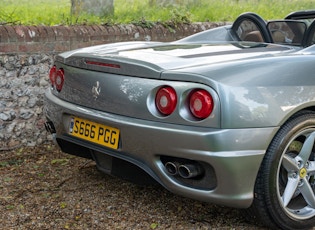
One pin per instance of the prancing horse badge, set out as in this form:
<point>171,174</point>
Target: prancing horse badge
<point>96,90</point>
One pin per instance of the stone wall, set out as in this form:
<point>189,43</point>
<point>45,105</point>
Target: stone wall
<point>23,80</point>
<point>26,55</point>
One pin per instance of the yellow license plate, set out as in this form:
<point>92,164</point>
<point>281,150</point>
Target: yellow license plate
<point>94,132</point>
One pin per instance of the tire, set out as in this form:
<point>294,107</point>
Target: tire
<point>284,194</point>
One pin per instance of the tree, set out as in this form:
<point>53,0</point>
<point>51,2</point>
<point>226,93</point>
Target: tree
<point>99,8</point>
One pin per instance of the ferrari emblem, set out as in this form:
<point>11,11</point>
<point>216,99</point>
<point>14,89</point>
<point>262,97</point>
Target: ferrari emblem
<point>303,172</point>
<point>96,90</point>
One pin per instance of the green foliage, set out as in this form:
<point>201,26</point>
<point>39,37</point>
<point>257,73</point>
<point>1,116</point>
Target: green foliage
<point>36,12</point>
<point>57,12</point>
<point>12,162</point>
<point>144,23</point>
<point>178,16</point>
<point>154,225</point>
<point>60,161</point>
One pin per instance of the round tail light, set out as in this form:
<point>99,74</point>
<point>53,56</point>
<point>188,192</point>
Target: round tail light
<point>201,103</point>
<point>52,75</point>
<point>166,100</point>
<point>60,78</point>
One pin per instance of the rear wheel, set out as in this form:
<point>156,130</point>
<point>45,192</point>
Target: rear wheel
<point>285,186</point>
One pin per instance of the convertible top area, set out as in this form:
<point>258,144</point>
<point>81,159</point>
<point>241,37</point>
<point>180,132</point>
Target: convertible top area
<point>305,14</point>
<point>296,29</point>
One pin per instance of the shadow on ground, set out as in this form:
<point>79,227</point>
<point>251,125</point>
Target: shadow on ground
<point>42,188</point>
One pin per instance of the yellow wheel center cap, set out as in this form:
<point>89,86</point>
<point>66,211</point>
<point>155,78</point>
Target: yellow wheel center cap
<point>303,172</point>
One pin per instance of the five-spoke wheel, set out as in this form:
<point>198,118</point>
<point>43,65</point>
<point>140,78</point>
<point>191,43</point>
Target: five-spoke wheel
<point>295,186</point>
<point>285,187</point>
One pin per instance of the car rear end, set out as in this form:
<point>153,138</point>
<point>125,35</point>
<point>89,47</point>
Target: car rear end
<point>120,112</point>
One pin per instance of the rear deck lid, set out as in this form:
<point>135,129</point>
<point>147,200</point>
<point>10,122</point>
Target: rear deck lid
<point>148,60</point>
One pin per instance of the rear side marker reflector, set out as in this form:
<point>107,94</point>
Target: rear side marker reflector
<point>109,65</point>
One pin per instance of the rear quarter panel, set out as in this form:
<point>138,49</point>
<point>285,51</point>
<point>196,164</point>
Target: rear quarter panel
<point>259,92</point>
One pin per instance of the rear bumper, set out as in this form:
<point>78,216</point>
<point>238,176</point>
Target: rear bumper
<point>230,157</point>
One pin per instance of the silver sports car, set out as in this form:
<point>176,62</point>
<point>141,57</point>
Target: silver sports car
<point>224,116</point>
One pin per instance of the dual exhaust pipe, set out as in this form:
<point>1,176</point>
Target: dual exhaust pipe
<point>186,171</point>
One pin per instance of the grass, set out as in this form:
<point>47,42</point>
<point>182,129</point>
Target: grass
<point>57,12</point>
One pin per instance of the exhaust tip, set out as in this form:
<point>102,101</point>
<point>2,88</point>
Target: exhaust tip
<point>189,170</point>
<point>171,168</point>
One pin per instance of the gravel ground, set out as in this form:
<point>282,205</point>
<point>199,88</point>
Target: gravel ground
<point>42,188</point>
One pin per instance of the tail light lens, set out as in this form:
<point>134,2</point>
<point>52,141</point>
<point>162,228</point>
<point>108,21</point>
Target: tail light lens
<point>166,100</point>
<point>57,78</point>
<point>52,75</point>
<point>201,103</point>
